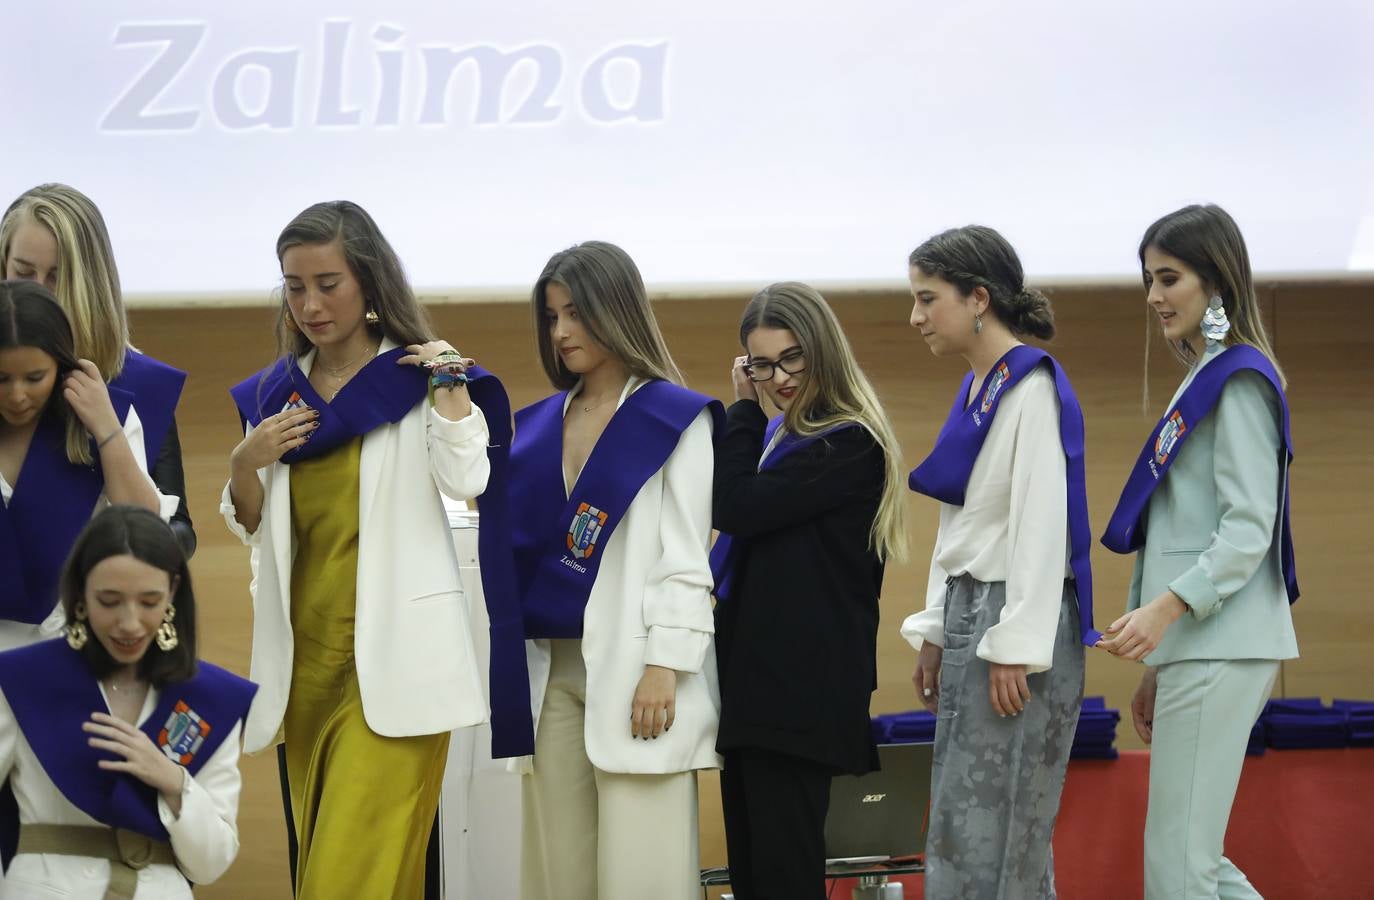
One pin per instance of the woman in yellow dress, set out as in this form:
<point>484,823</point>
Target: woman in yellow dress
<point>361,640</point>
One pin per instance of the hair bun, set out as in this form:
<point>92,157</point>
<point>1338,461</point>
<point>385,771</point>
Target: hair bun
<point>1032,314</point>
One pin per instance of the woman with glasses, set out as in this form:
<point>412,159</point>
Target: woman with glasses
<point>809,506</point>
<point>610,475</point>
<point>1009,601</point>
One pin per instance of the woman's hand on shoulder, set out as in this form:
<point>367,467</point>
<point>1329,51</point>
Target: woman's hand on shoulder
<point>423,354</point>
<point>273,437</point>
<point>89,397</point>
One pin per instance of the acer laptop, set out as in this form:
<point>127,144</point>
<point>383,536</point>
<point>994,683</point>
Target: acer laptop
<point>881,815</point>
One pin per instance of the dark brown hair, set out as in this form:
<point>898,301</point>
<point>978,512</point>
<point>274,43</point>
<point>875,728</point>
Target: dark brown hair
<point>611,301</point>
<point>1210,242</point>
<point>31,317</point>
<point>371,260</point>
<point>140,533</point>
<point>977,256</point>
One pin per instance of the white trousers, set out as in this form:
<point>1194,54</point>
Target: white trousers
<point>1204,710</point>
<point>594,835</point>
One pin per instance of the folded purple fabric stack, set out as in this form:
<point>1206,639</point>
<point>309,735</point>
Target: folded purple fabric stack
<point>913,727</point>
<point>1359,721</point>
<point>1303,723</point>
<point>1095,736</point>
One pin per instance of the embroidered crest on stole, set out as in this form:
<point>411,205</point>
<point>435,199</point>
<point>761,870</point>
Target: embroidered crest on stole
<point>584,530</point>
<point>182,734</point>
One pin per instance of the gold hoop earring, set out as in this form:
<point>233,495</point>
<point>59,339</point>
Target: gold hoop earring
<point>77,635</point>
<point>167,632</point>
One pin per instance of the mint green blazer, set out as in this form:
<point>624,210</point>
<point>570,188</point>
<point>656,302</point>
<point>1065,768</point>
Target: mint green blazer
<point>1213,532</point>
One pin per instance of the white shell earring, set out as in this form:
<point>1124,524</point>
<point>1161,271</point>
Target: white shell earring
<point>1215,325</point>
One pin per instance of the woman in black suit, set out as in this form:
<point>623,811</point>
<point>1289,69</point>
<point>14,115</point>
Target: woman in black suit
<point>810,509</point>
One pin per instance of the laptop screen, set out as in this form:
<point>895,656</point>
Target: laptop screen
<point>883,814</point>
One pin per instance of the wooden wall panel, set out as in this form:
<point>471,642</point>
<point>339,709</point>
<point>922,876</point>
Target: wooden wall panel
<point>1321,334</point>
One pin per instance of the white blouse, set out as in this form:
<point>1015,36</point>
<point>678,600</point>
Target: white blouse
<point>21,634</point>
<point>1013,527</point>
<point>204,836</point>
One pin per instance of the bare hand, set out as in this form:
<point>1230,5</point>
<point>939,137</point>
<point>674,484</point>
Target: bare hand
<point>141,757</point>
<point>274,436</point>
<point>1137,634</point>
<point>86,393</point>
<point>420,354</point>
<point>1007,688</point>
<point>655,703</point>
<point>1143,706</point>
<point>927,675</point>
<point>744,388</point>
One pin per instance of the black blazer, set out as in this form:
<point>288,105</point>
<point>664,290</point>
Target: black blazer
<point>796,642</point>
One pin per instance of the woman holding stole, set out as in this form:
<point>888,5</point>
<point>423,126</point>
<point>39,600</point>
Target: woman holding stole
<point>53,234</point>
<point>122,747</point>
<point>1009,599</point>
<point>611,476</point>
<point>809,506</point>
<point>361,640</point>
<point>68,446</point>
<point>1206,512</point>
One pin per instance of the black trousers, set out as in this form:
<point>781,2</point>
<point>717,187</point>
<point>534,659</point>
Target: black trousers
<point>775,808</point>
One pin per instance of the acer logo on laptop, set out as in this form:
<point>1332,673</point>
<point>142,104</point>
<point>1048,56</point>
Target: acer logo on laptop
<point>873,798</point>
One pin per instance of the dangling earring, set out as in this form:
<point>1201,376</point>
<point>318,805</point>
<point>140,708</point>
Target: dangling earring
<point>76,629</point>
<point>167,632</point>
<point>977,323</point>
<point>1215,325</point>
<point>371,317</point>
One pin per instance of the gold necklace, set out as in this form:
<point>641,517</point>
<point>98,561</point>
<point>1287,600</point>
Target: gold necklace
<point>338,373</point>
<point>597,405</point>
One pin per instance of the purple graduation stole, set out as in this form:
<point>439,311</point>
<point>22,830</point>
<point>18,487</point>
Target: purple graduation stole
<point>1123,534</point>
<point>52,502</point>
<point>557,537</point>
<point>53,692</point>
<point>156,387</point>
<point>945,472</point>
<point>726,552</point>
<point>382,393</point>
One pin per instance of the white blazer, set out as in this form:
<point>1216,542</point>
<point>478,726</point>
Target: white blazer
<point>651,605</point>
<point>417,669</point>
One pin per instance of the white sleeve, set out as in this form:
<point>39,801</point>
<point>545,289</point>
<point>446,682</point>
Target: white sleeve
<point>1037,537</point>
<point>133,433</point>
<point>677,598</point>
<point>929,623</point>
<point>458,453</point>
<point>230,512</point>
<point>205,837</point>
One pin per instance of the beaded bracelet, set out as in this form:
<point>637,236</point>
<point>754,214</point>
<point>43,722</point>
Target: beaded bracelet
<point>448,377</point>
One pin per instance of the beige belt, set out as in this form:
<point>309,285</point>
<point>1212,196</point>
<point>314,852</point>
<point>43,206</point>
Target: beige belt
<point>127,851</point>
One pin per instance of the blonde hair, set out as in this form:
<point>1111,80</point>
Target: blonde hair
<point>609,294</point>
<point>1209,241</point>
<point>834,392</point>
<point>87,279</point>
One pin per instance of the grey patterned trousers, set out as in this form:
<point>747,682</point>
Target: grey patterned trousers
<point>996,781</point>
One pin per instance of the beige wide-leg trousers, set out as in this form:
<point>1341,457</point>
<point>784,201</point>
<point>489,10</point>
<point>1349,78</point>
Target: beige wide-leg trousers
<point>595,835</point>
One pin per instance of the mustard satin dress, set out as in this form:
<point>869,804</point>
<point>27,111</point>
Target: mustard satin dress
<point>363,804</point>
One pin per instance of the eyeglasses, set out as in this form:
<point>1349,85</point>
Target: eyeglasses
<point>791,363</point>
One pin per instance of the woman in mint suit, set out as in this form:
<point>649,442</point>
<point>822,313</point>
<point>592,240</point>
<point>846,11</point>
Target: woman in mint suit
<point>1206,510</point>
